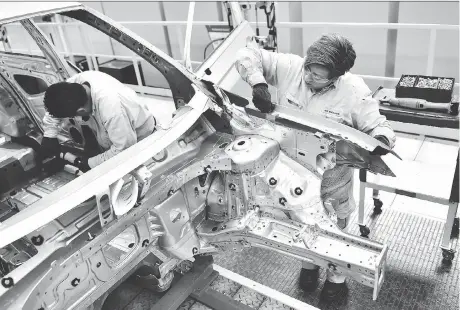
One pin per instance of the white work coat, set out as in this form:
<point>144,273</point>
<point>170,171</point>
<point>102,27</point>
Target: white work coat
<point>346,101</point>
<point>119,119</point>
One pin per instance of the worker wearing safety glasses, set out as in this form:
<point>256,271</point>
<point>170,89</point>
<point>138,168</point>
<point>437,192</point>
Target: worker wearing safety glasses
<point>319,84</point>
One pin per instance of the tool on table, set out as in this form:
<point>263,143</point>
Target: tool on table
<point>419,104</point>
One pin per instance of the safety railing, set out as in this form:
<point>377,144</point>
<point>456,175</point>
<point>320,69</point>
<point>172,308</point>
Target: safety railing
<point>433,28</point>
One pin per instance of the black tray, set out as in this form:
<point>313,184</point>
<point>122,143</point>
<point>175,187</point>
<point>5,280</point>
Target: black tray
<point>436,92</point>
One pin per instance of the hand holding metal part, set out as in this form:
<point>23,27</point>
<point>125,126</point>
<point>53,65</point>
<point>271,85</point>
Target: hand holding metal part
<point>262,99</point>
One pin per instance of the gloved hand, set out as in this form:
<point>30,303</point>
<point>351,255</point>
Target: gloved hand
<point>50,147</point>
<point>383,139</point>
<point>380,150</point>
<point>82,164</point>
<point>262,99</point>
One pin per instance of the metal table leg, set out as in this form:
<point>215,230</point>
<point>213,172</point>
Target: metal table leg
<point>447,252</point>
<point>362,195</point>
<point>377,202</point>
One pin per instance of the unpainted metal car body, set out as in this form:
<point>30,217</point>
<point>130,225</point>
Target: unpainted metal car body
<point>219,176</point>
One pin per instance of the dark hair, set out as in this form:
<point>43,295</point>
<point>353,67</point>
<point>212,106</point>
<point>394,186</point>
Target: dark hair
<point>332,51</point>
<point>63,99</point>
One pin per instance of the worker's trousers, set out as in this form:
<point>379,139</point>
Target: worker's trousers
<point>332,274</point>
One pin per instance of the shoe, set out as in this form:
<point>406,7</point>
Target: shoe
<point>333,290</point>
<point>308,280</point>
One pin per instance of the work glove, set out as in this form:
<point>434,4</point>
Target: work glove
<point>383,139</point>
<point>82,164</point>
<point>380,150</point>
<point>50,147</point>
<point>262,99</point>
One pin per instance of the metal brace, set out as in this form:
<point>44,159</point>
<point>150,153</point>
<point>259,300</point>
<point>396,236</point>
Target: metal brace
<point>143,177</point>
<point>111,216</point>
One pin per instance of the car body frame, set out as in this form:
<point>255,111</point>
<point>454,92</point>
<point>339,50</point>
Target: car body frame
<point>219,176</point>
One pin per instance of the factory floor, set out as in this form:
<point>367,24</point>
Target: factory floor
<point>416,276</point>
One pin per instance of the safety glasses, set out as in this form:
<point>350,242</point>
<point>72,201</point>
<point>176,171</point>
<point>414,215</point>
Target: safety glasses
<point>315,77</point>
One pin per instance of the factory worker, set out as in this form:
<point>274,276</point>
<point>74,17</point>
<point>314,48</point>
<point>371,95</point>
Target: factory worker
<point>319,84</point>
<point>112,110</point>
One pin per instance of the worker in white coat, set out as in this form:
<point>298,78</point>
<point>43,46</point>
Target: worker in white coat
<point>112,110</point>
<point>319,84</point>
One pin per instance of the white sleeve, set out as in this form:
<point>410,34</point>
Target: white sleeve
<point>367,118</point>
<point>121,134</point>
<point>257,65</point>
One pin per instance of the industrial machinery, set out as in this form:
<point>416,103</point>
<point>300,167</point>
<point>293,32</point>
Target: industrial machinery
<point>219,177</point>
<point>270,41</point>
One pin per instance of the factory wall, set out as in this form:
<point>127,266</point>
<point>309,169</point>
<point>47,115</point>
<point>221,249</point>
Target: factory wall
<point>370,44</point>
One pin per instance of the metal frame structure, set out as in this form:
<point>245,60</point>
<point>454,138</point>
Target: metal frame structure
<point>209,181</point>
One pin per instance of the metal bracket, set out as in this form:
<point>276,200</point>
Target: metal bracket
<point>144,178</point>
<point>100,207</point>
